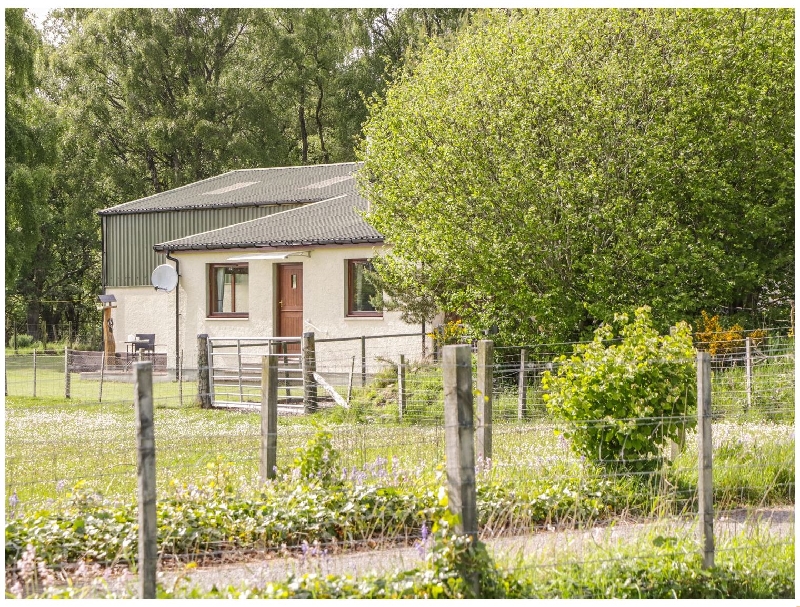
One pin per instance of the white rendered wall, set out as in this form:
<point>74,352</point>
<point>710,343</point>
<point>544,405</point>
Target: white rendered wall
<point>145,310</point>
<point>324,306</point>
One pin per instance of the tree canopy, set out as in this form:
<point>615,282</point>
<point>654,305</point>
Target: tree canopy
<point>555,167</point>
<point>29,144</point>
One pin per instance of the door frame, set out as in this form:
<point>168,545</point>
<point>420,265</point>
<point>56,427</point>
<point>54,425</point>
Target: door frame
<point>278,297</point>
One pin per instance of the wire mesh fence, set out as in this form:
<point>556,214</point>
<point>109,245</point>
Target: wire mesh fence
<point>369,475</point>
<point>86,376</point>
<point>23,337</point>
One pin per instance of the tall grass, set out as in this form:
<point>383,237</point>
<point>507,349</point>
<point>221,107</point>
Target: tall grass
<point>52,444</point>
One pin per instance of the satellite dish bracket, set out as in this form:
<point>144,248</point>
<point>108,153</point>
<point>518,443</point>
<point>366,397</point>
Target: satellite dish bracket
<point>164,278</point>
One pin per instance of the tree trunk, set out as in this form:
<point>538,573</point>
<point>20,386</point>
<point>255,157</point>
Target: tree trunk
<point>301,114</point>
<point>318,117</point>
<point>33,312</point>
<point>151,165</point>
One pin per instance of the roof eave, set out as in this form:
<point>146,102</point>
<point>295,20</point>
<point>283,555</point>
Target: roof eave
<point>109,212</point>
<point>164,247</point>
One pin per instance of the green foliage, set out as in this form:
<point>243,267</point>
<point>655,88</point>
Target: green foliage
<point>623,402</point>
<point>224,509</point>
<point>25,341</point>
<point>660,567</point>
<point>670,568</point>
<point>752,465</point>
<point>318,460</point>
<point>29,144</point>
<point>554,166</point>
<point>220,508</point>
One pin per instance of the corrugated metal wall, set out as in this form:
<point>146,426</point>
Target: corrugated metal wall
<point>128,239</point>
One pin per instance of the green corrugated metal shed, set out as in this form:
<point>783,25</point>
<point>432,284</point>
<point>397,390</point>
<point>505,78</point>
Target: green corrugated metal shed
<point>131,229</point>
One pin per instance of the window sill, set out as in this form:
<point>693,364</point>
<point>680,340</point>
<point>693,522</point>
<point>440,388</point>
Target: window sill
<point>365,317</point>
<point>227,318</point>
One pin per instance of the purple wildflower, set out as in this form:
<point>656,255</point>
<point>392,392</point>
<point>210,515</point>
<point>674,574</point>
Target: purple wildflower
<point>421,544</point>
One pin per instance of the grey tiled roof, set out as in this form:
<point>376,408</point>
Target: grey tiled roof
<point>249,187</point>
<point>332,221</point>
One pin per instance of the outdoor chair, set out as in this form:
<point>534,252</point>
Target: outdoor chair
<point>147,343</point>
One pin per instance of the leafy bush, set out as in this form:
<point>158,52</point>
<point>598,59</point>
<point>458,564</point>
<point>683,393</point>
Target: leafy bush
<point>719,340</point>
<point>318,460</point>
<point>24,341</point>
<point>624,402</point>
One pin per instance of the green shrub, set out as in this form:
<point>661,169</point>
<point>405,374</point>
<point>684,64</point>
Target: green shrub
<point>623,402</point>
<point>24,341</point>
<point>318,460</point>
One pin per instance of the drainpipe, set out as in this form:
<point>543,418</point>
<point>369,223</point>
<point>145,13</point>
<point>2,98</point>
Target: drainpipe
<point>103,267</point>
<point>177,316</point>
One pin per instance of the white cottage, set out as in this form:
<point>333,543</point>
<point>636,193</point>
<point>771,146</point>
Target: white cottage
<point>297,266</point>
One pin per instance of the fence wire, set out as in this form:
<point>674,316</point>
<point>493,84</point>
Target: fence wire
<point>369,475</point>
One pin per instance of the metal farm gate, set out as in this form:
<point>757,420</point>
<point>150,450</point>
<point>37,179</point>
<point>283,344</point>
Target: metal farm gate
<point>235,365</point>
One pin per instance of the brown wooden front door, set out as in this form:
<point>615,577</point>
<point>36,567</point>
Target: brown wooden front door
<point>290,302</point>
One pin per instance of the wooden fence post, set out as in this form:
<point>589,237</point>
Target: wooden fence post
<point>705,487</point>
<point>309,368</point>
<point>748,373</point>
<point>484,396</point>
<point>401,386</point>
<point>239,374</point>
<point>363,361</point>
<point>350,381</point>
<point>269,416</point>
<point>102,375</point>
<point>285,349</point>
<point>179,374</point>
<point>146,472</point>
<point>203,379</point>
<point>460,446</point>
<point>34,372</point>
<point>67,385</point>
<point>522,398</point>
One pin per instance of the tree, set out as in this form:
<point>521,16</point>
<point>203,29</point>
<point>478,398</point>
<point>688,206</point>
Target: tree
<point>306,49</point>
<point>161,93</point>
<point>384,41</point>
<point>29,144</point>
<point>147,100</point>
<point>557,166</point>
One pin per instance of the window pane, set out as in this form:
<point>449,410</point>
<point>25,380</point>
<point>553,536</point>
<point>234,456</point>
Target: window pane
<point>229,291</point>
<point>362,289</point>
<point>242,290</point>
<point>220,280</point>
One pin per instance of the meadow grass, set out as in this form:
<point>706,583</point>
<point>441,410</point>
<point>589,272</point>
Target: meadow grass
<point>51,444</point>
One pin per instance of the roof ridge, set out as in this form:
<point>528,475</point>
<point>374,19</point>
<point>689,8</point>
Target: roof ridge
<point>123,206</point>
<point>296,166</point>
<point>180,187</point>
<point>281,213</point>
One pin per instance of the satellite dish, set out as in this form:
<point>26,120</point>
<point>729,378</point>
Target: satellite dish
<point>164,278</point>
